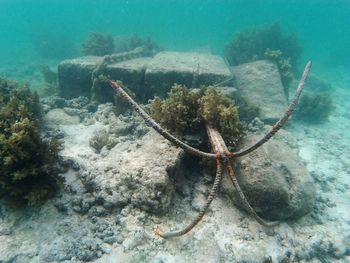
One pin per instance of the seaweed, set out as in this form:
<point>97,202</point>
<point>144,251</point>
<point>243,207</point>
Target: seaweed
<point>219,111</point>
<point>284,68</point>
<point>129,43</point>
<point>28,170</point>
<point>315,108</point>
<point>251,45</point>
<point>187,111</point>
<point>179,112</point>
<point>149,45</point>
<point>98,44</point>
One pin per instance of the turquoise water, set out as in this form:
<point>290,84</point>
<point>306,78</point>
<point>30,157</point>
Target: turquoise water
<point>322,26</point>
<point>45,32</point>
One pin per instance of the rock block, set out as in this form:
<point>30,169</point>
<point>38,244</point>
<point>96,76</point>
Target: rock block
<point>274,179</point>
<point>140,174</point>
<point>59,116</point>
<point>131,73</point>
<point>144,76</point>
<point>187,68</point>
<point>260,84</point>
<point>74,76</point>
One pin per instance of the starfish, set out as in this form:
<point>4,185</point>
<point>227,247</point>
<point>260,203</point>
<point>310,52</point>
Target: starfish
<point>219,152</point>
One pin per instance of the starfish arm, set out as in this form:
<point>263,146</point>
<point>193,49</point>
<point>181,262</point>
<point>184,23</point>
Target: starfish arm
<point>211,196</point>
<point>283,120</point>
<point>117,87</point>
<point>244,200</point>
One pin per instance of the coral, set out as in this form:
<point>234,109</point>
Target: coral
<point>98,45</point>
<point>284,67</point>
<point>188,110</point>
<point>315,108</point>
<point>251,45</point>
<point>100,139</point>
<point>28,171</point>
